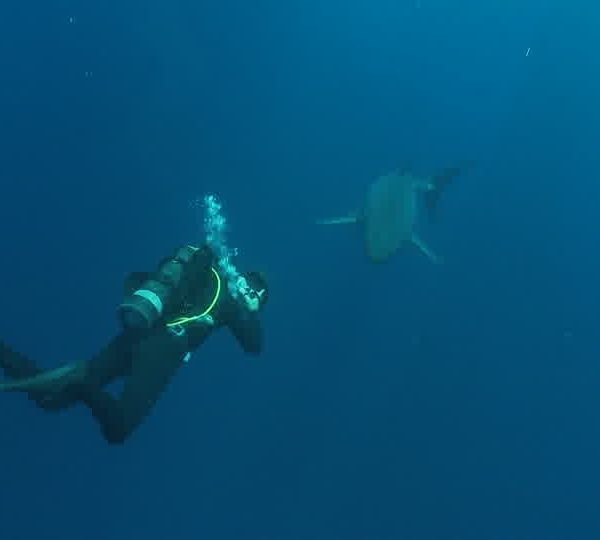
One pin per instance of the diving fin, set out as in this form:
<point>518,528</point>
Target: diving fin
<point>52,380</point>
<point>424,248</point>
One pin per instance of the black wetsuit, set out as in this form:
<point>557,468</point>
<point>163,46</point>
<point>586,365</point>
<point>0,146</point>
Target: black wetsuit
<point>147,360</point>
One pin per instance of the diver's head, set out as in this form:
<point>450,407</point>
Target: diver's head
<point>254,290</point>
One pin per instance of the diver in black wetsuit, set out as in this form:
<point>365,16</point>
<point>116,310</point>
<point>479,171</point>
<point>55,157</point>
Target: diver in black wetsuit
<point>165,317</point>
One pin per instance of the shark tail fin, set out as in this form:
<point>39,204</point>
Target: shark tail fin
<point>439,183</point>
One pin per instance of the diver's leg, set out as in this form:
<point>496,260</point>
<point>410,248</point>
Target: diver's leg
<point>57,389</point>
<point>155,361</point>
<point>112,362</point>
<point>15,365</point>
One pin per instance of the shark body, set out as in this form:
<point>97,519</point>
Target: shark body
<point>391,210</point>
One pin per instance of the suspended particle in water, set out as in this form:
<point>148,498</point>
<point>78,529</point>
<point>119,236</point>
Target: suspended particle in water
<point>71,20</point>
<point>528,49</point>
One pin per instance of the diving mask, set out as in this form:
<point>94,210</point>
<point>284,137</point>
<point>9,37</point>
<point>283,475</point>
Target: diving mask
<point>252,298</point>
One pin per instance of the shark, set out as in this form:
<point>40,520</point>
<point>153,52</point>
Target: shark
<point>391,210</point>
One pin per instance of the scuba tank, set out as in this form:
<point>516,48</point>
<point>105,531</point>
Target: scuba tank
<point>163,291</point>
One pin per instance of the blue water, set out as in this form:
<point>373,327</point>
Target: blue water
<point>399,401</point>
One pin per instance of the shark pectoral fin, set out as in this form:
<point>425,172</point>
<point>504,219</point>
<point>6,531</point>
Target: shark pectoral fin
<point>425,185</point>
<point>424,248</point>
<point>345,220</point>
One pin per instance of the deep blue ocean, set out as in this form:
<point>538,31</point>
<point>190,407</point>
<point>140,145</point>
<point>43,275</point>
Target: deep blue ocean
<point>399,401</point>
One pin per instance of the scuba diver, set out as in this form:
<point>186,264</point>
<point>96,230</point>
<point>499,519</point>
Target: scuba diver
<point>165,316</point>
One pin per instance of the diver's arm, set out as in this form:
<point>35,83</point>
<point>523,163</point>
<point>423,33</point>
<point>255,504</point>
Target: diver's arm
<point>245,326</point>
